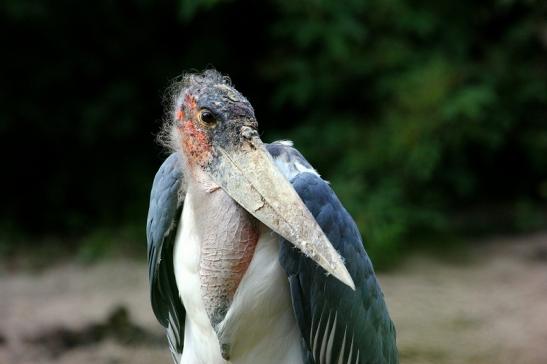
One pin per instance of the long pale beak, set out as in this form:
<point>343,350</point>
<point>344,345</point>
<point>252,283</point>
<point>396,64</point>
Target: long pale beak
<point>249,175</point>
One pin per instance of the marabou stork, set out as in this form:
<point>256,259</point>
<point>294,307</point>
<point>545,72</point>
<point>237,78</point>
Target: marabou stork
<point>252,258</point>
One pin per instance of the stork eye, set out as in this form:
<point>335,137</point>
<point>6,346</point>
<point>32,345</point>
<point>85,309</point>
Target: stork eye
<point>207,118</point>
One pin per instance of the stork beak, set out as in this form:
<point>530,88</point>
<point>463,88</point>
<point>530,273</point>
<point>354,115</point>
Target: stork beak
<point>249,175</point>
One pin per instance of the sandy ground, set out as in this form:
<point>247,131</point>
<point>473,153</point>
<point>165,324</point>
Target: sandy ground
<point>488,308</point>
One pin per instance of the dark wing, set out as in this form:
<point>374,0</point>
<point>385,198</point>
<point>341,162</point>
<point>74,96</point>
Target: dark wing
<point>338,325</point>
<point>166,200</point>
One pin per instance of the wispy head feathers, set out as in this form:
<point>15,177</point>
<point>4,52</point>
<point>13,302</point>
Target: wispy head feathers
<point>168,135</point>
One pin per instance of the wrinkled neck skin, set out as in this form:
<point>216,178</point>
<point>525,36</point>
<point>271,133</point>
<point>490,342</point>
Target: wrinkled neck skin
<point>228,236</point>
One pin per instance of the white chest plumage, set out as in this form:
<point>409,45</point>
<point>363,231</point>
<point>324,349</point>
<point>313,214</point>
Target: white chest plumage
<point>259,325</point>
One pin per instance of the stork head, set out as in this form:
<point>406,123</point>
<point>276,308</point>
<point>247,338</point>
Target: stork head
<point>211,116</point>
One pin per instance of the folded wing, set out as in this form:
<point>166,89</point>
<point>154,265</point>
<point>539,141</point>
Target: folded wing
<point>166,201</point>
<point>338,325</point>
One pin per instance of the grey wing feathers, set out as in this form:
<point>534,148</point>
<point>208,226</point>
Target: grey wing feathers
<point>289,160</point>
<point>338,325</point>
<point>166,200</point>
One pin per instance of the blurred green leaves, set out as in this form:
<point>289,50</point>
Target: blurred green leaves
<point>190,8</point>
<point>429,118</point>
<point>414,111</point>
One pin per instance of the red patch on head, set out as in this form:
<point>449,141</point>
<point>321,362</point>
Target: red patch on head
<point>190,102</point>
<point>195,143</point>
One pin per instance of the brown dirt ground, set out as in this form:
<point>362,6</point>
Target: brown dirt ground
<point>488,308</point>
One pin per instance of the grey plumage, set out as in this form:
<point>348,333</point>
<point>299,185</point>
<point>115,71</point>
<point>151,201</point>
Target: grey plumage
<point>335,322</point>
<point>166,200</point>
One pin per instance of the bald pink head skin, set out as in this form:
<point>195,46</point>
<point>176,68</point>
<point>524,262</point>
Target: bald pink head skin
<point>209,112</point>
<point>196,141</point>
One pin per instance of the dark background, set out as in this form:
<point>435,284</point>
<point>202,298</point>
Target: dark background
<point>429,118</point>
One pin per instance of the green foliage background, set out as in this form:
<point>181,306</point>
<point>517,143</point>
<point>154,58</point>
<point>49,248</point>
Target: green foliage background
<point>429,118</point>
